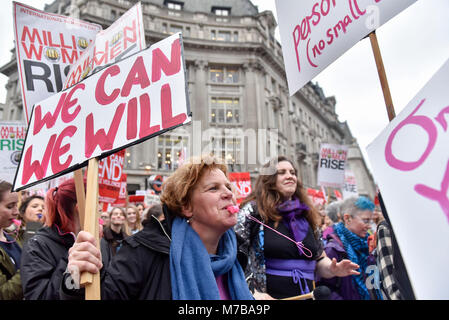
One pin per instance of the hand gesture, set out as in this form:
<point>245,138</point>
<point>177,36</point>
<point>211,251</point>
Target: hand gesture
<point>344,268</point>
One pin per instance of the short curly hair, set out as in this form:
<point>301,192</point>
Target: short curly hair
<point>177,189</point>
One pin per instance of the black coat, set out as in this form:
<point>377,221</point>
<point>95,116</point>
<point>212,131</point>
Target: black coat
<point>43,262</point>
<point>141,268</point>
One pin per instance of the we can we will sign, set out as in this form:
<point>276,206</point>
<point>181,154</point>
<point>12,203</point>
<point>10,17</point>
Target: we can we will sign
<point>126,103</point>
<point>410,161</point>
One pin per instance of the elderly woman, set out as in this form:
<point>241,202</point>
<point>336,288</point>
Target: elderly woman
<point>192,254</point>
<point>349,240</point>
<point>280,227</point>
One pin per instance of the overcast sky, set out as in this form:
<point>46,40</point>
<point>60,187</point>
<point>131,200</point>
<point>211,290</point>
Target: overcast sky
<point>414,45</point>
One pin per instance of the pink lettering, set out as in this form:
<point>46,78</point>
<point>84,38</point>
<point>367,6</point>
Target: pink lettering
<point>425,123</point>
<point>437,195</point>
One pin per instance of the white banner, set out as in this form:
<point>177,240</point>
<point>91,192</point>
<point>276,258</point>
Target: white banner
<point>124,104</point>
<point>331,165</point>
<point>12,139</point>
<point>123,38</point>
<point>410,161</point>
<point>350,186</point>
<point>314,33</point>
<point>46,45</point>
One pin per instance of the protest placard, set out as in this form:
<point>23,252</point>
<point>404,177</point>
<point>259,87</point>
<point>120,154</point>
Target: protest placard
<point>331,165</point>
<point>350,186</point>
<point>110,171</point>
<point>121,39</point>
<point>410,161</point>
<point>317,197</point>
<point>124,104</point>
<point>242,184</point>
<point>314,33</point>
<point>46,45</point>
<point>12,139</point>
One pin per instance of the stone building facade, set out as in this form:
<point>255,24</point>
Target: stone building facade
<point>241,109</point>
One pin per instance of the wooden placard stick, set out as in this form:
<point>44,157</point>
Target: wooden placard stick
<point>91,282</point>
<point>382,75</point>
<point>80,194</point>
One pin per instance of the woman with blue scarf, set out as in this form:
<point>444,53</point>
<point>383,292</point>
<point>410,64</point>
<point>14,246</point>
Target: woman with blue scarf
<point>349,239</point>
<point>190,255</point>
<point>279,226</point>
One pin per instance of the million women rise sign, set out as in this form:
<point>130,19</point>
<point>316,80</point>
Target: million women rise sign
<point>46,45</point>
<point>331,165</point>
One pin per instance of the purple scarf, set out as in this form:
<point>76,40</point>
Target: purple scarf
<point>292,214</point>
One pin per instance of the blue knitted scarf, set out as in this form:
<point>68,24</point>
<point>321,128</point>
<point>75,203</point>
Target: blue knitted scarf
<point>357,251</point>
<point>193,270</point>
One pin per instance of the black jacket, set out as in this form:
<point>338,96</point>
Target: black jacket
<point>43,262</point>
<point>141,268</point>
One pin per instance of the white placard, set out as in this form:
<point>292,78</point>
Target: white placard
<point>12,139</point>
<point>410,161</point>
<point>314,33</point>
<point>123,38</point>
<point>122,105</point>
<point>331,165</point>
<point>46,45</point>
<point>350,186</point>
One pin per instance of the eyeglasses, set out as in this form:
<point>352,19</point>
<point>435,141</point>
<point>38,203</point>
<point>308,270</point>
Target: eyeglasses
<point>365,221</point>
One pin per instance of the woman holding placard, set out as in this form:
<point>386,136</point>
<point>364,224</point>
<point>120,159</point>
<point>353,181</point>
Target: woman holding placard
<point>280,227</point>
<point>191,254</point>
<point>44,257</point>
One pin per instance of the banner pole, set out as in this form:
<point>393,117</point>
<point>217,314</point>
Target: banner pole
<point>382,75</point>
<point>80,194</point>
<point>90,281</point>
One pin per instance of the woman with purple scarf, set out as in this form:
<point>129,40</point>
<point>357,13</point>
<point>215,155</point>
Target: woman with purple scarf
<point>280,229</point>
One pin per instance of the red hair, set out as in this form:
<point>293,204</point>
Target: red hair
<point>60,205</point>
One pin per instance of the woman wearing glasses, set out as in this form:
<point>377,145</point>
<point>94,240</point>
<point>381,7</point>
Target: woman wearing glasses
<point>349,240</point>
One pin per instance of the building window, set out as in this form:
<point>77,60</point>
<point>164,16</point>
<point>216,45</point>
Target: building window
<point>224,12</point>
<point>224,74</point>
<point>174,29</point>
<point>225,110</point>
<point>229,149</point>
<point>171,151</point>
<point>224,36</point>
<point>174,5</point>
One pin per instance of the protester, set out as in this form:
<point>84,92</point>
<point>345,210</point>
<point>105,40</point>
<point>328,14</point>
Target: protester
<point>10,250</point>
<point>32,209</point>
<point>349,241</point>
<point>333,216</point>
<point>106,219</point>
<point>117,230</point>
<point>133,219</point>
<point>140,207</point>
<point>44,257</point>
<point>394,280</point>
<point>192,254</point>
<point>155,210</point>
<point>280,228</point>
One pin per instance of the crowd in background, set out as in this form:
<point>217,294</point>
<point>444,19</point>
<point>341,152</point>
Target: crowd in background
<point>280,243</point>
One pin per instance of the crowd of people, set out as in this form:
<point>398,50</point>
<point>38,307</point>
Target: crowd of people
<point>198,245</point>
